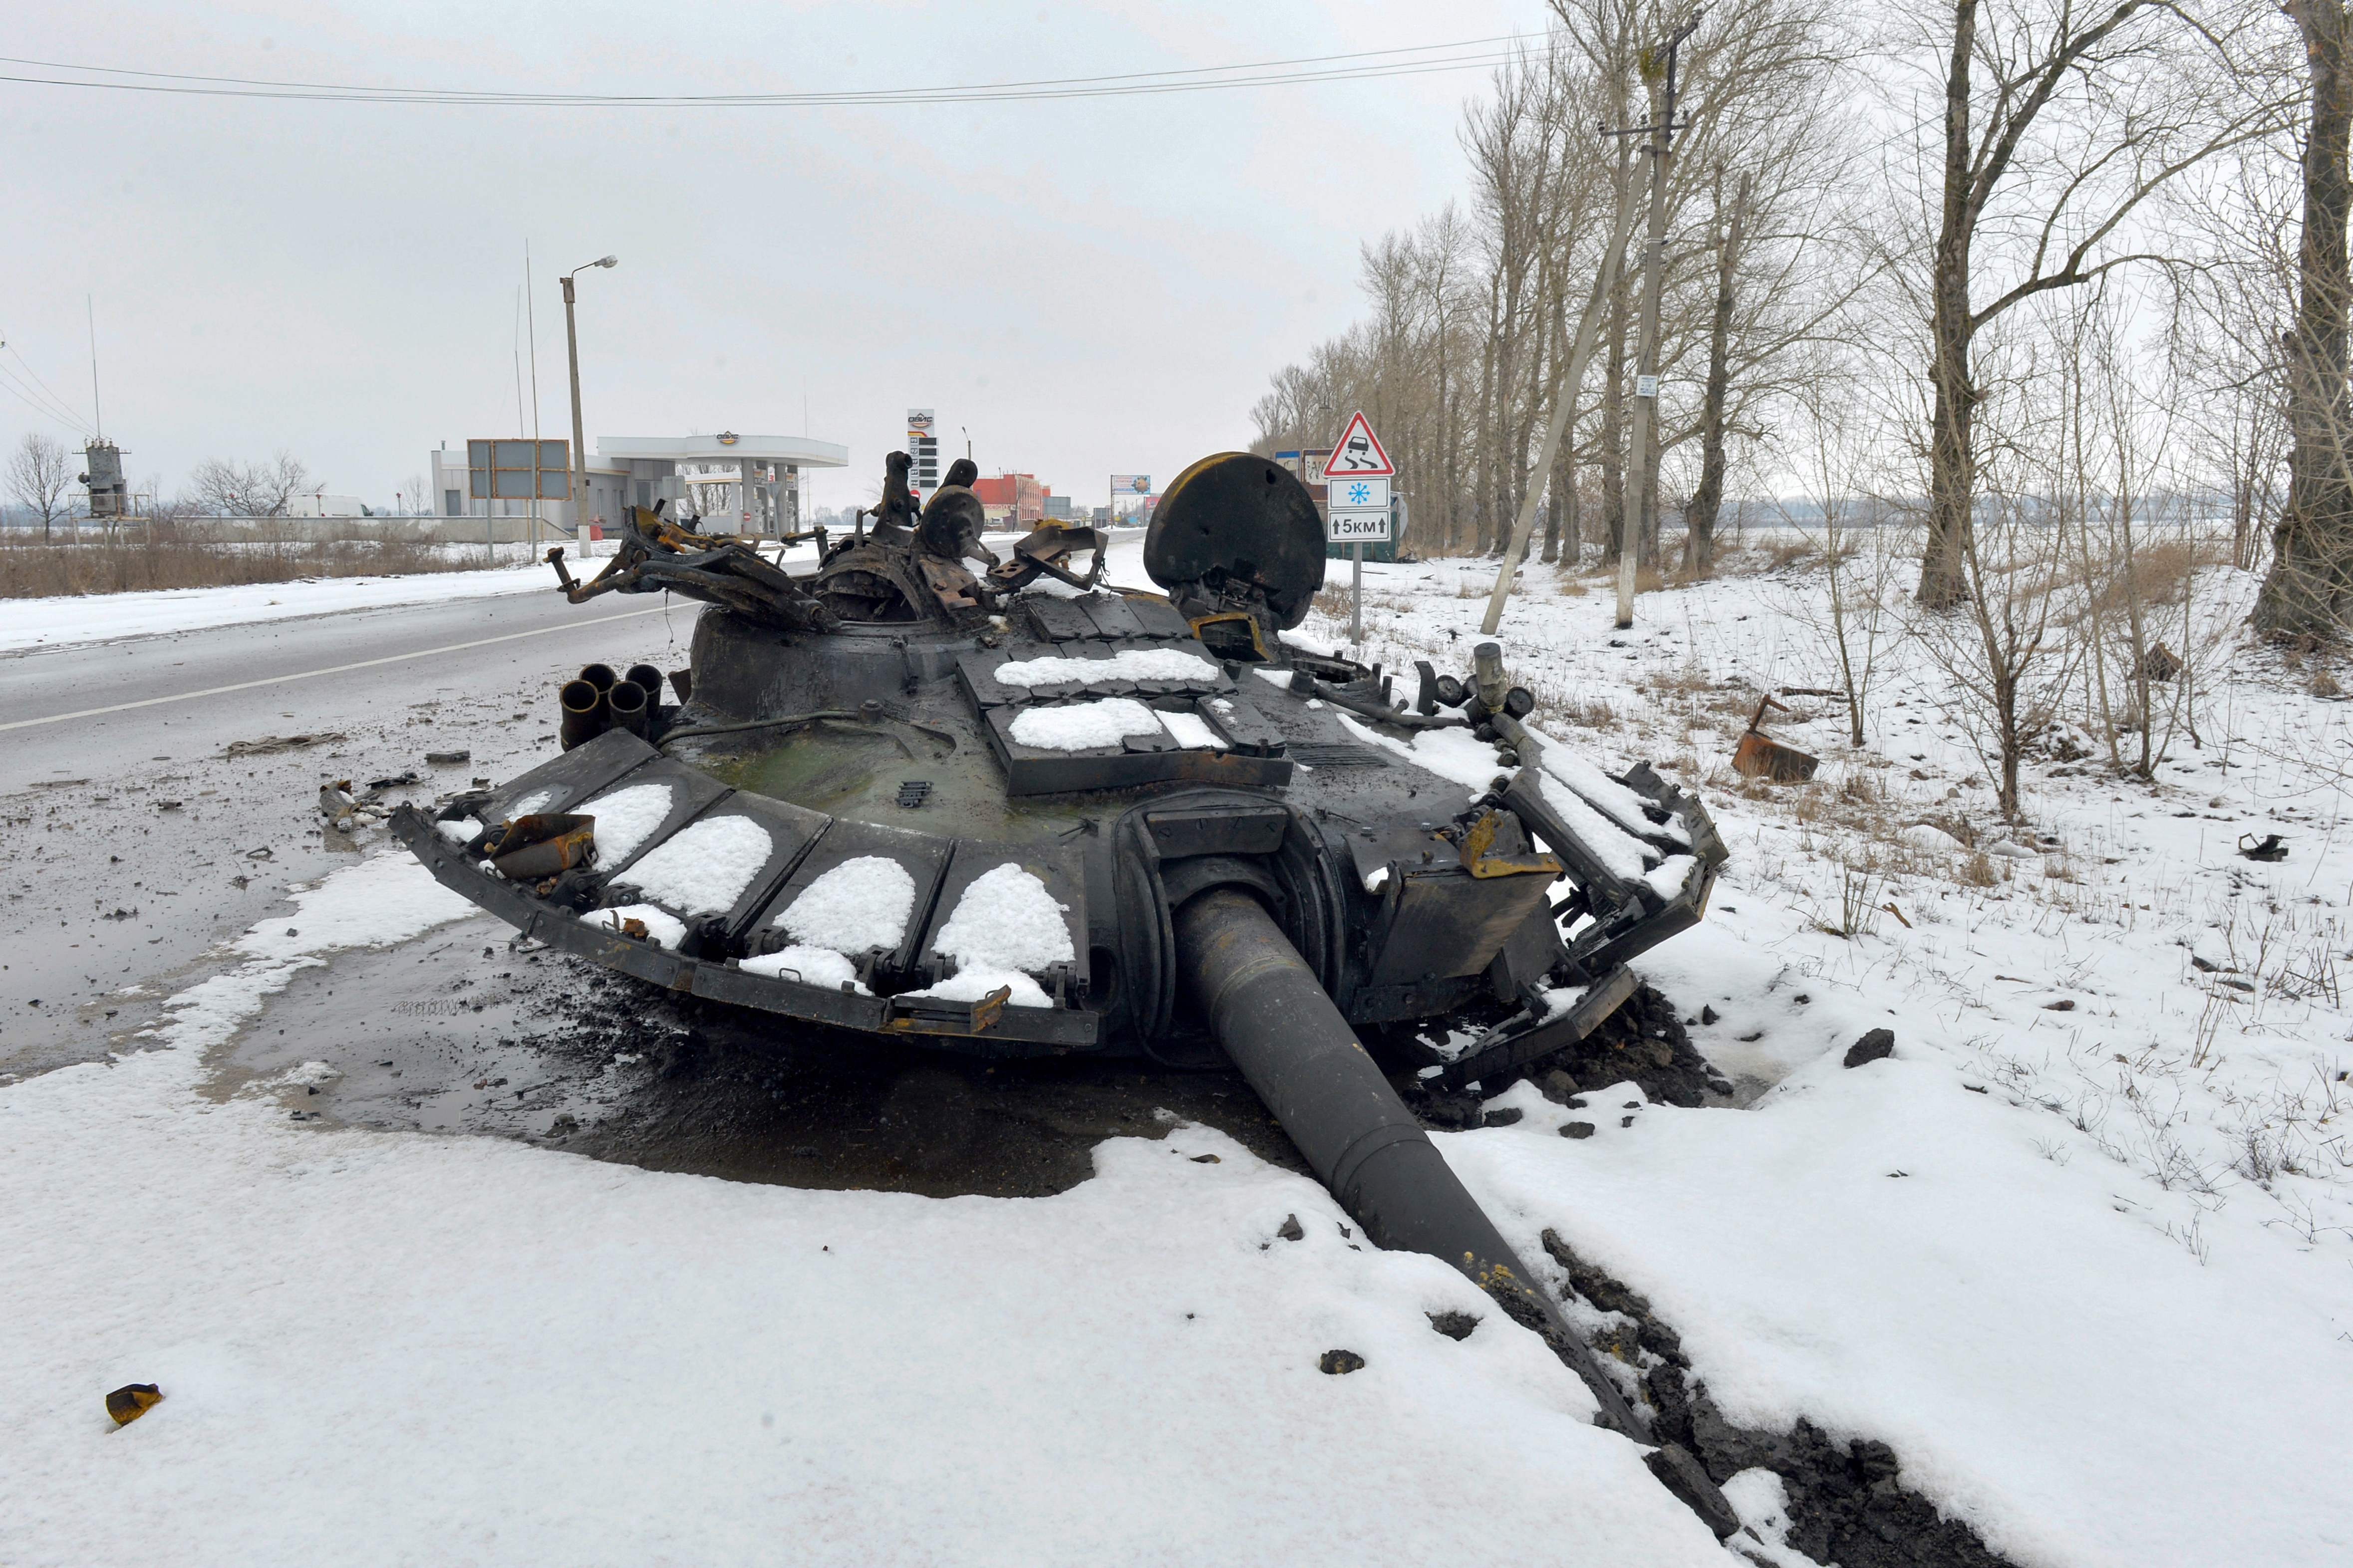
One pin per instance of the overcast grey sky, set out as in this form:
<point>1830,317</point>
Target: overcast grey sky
<point>1089,286</point>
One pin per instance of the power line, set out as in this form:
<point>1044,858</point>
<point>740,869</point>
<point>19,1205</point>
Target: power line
<point>46,390</point>
<point>1367,64</point>
<point>45,408</point>
<point>43,400</point>
<point>50,415</point>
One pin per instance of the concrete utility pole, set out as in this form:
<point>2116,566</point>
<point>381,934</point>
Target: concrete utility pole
<point>1646,354</point>
<point>572,348</point>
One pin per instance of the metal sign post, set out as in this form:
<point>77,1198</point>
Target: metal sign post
<point>1360,512</point>
<point>1356,475</point>
<point>501,468</point>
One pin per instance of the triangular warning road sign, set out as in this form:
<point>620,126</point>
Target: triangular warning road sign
<point>1357,455</point>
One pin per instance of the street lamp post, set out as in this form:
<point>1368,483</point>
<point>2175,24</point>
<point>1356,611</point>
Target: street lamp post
<point>580,447</point>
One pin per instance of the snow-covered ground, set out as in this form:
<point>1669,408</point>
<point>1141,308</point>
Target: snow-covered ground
<point>2085,1268</point>
<point>385,1348</point>
<point>104,618</point>
<point>2082,1251</point>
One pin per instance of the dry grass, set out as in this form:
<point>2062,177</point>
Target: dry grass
<point>1863,786</point>
<point>1585,712</point>
<point>1684,681</point>
<point>195,555</point>
<point>2161,572</point>
<point>2323,684</point>
<point>1978,871</point>
<point>1576,582</point>
<point>1768,555</point>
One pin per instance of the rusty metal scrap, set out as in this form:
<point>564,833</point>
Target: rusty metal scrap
<point>1759,755</point>
<point>530,849</point>
<point>659,555</point>
<point>1046,551</point>
<point>132,1400</point>
<point>1497,845</point>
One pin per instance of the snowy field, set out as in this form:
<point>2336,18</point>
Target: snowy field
<point>104,618</point>
<point>2081,1251</point>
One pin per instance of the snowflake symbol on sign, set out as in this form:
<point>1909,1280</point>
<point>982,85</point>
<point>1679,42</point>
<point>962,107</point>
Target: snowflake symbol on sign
<point>1360,493</point>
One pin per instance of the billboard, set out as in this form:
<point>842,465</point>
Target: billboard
<point>1131,484</point>
<point>520,469</point>
<point>924,447</point>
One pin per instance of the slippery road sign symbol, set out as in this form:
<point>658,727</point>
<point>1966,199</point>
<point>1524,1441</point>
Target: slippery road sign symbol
<point>1357,455</point>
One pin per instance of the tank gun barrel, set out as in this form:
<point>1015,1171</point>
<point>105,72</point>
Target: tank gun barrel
<point>1271,1015</point>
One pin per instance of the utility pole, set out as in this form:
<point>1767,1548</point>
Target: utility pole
<point>530,315</point>
<point>572,348</point>
<point>1646,354</point>
<point>97,414</point>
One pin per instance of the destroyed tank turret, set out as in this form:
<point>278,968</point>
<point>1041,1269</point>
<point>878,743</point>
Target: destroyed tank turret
<point>1006,808</point>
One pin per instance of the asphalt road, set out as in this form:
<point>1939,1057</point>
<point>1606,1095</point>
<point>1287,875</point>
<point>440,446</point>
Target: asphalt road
<point>158,797</point>
<point>134,836</point>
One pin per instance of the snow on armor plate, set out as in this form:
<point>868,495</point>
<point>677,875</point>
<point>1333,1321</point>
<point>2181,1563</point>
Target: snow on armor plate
<point>860,904</point>
<point>1084,726</point>
<point>625,819</point>
<point>1128,664</point>
<point>1006,928</point>
<point>704,870</point>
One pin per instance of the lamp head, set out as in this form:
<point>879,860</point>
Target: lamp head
<point>606,261</point>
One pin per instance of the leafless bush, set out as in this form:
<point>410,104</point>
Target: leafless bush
<point>1860,885</point>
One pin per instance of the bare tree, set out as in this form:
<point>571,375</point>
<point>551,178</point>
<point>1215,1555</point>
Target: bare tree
<point>1835,462</point>
<point>226,489</point>
<point>2010,660</point>
<point>2138,565</point>
<point>2059,122</point>
<point>39,471</point>
<point>1699,517</point>
<point>278,482</point>
<point>2228,334</point>
<point>1467,354</point>
<point>2310,586</point>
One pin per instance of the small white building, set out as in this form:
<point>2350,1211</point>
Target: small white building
<point>752,482</point>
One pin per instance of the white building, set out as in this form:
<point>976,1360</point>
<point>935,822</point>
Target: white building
<point>752,483</point>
